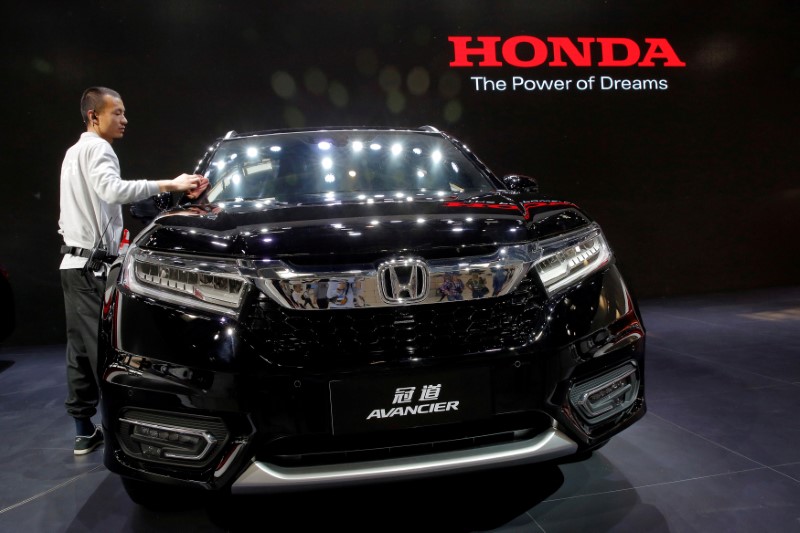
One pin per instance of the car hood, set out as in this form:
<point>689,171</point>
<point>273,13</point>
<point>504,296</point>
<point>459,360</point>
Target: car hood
<point>268,229</point>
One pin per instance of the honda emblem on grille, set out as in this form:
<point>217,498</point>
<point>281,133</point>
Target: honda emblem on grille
<point>403,281</point>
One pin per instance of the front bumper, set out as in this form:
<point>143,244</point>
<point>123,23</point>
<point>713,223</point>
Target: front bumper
<point>270,427</point>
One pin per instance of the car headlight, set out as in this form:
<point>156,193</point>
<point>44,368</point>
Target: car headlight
<point>567,260</point>
<point>205,283</point>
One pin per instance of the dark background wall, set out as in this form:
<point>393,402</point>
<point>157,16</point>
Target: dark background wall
<point>696,186</point>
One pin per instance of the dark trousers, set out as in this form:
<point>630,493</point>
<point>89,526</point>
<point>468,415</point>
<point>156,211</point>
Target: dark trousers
<point>82,303</point>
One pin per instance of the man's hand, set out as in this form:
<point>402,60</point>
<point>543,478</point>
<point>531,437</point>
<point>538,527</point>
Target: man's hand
<point>198,190</point>
<point>192,184</point>
<point>187,182</point>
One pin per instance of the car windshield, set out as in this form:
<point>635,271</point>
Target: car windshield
<point>366,163</point>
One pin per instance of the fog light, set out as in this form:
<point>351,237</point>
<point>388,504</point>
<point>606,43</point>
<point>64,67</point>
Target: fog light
<point>604,396</point>
<point>172,442</point>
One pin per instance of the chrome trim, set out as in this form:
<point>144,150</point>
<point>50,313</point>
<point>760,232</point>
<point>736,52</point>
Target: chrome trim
<point>208,437</point>
<point>278,280</point>
<point>230,458</point>
<point>623,341</point>
<point>260,476</point>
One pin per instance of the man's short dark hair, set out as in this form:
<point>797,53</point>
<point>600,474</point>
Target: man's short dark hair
<point>92,100</point>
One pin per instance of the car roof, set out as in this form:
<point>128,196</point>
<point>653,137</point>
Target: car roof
<point>232,134</point>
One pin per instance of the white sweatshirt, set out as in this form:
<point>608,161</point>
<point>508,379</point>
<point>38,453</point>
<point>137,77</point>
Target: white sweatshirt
<point>92,194</point>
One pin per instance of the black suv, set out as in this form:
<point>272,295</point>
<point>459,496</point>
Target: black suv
<point>353,305</point>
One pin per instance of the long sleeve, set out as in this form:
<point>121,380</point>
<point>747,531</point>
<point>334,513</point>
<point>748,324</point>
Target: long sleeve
<point>103,173</point>
<point>92,194</point>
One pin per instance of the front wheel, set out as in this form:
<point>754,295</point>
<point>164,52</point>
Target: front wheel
<point>586,453</point>
<point>582,454</point>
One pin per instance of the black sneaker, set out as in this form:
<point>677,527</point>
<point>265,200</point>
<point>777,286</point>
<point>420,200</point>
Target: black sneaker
<point>85,445</point>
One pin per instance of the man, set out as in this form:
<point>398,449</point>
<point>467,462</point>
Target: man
<point>92,194</point>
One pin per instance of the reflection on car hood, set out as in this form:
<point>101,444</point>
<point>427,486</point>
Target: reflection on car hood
<point>269,229</point>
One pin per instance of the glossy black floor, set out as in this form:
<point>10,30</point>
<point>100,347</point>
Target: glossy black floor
<point>718,451</point>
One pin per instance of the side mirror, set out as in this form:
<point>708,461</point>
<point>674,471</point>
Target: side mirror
<point>518,182</point>
<point>149,208</point>
<point>163,201</point>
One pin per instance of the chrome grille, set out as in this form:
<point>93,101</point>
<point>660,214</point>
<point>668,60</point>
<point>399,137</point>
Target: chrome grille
<point>358,336</point>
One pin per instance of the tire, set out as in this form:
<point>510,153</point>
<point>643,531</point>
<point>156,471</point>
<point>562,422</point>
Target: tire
<point>582,454</point>
<point>586,453</point>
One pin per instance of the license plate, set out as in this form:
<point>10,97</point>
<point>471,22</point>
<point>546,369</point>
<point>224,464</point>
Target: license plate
<point>379,403</point>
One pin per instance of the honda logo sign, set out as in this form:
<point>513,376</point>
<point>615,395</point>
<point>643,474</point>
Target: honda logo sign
<point>403,281</point>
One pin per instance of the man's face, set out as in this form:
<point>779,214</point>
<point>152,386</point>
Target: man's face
<point>111,119</point>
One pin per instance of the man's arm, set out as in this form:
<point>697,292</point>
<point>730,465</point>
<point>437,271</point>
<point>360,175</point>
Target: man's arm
<point>193,184</point>
<point>104,172</point>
